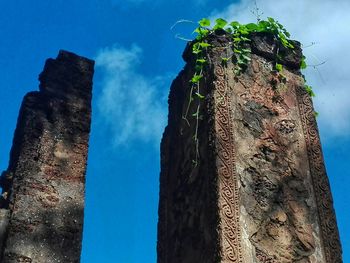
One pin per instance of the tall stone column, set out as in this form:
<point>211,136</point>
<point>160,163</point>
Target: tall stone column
<point>44,185</point>
<point>260,193</point>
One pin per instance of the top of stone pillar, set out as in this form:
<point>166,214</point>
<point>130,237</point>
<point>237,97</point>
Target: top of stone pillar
<point>67,76</point>
<point>263,44</point>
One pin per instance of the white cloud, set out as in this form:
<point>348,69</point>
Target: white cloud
<point>131,105</point>
<point>327,23</point>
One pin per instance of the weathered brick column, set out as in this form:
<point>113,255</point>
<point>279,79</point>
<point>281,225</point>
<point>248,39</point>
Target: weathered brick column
<point>260,193</point>
<point>44,185</point>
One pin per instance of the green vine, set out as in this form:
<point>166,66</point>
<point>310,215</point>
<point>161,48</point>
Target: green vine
<point>241,55</point>
<point>199,50</point>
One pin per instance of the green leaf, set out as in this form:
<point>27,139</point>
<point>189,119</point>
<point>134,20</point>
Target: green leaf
<point>246,57</point>
<point>196,51</point>
<point>309,90</point>
<point>201,31</point>
<point>195,46</point>
<point>200,96</point>
<point>196,78</point>
<point>241,62</point>
<point>204,44</point>
<point>235,24</point>
<point>201,60</point>
<point>237,51</point>
<point>246,50</point>
<point>245,39</point>
<point>198,47</point>
<point>285,43</point>
<point>204,22</point>
<point>237,39</point>
<point>263,25</point>
<point>220,23</point>
<point>243,31</point>
<point>280,25</point>
<point>271,20</point>
<point>282,37</point>
<point>279,67</point>
<point>224,59</point>
<point>252,27</point>
<point>237,70</point>
<point>303,64</point>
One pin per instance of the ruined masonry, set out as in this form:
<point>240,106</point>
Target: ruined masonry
<point>260,193</point>
<point>42,203</point>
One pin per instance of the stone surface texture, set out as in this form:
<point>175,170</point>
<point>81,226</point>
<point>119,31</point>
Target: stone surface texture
<point>44,185</point>
<point>260,193</point>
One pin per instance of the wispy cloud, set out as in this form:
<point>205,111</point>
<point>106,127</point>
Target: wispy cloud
<point>132,105</point>
<point>326,23</point>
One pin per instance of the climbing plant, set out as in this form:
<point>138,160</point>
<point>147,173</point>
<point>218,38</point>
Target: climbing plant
<point>240,35</point>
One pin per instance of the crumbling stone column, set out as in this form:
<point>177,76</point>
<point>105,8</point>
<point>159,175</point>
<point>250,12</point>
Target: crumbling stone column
<point>44,185</point>
<point>260,192</point>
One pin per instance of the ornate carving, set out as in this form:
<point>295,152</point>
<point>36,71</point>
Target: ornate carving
<point>227,177</point>
<point>328,227</point>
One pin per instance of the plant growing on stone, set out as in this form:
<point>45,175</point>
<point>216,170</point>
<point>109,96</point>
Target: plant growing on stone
<point>240,35</point>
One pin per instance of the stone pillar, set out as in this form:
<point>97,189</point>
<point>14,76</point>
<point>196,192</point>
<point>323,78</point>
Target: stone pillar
<point>44,186</point>
<point>260,193</point>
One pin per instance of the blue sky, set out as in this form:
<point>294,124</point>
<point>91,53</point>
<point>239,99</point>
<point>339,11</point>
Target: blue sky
<point>137,56</point>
